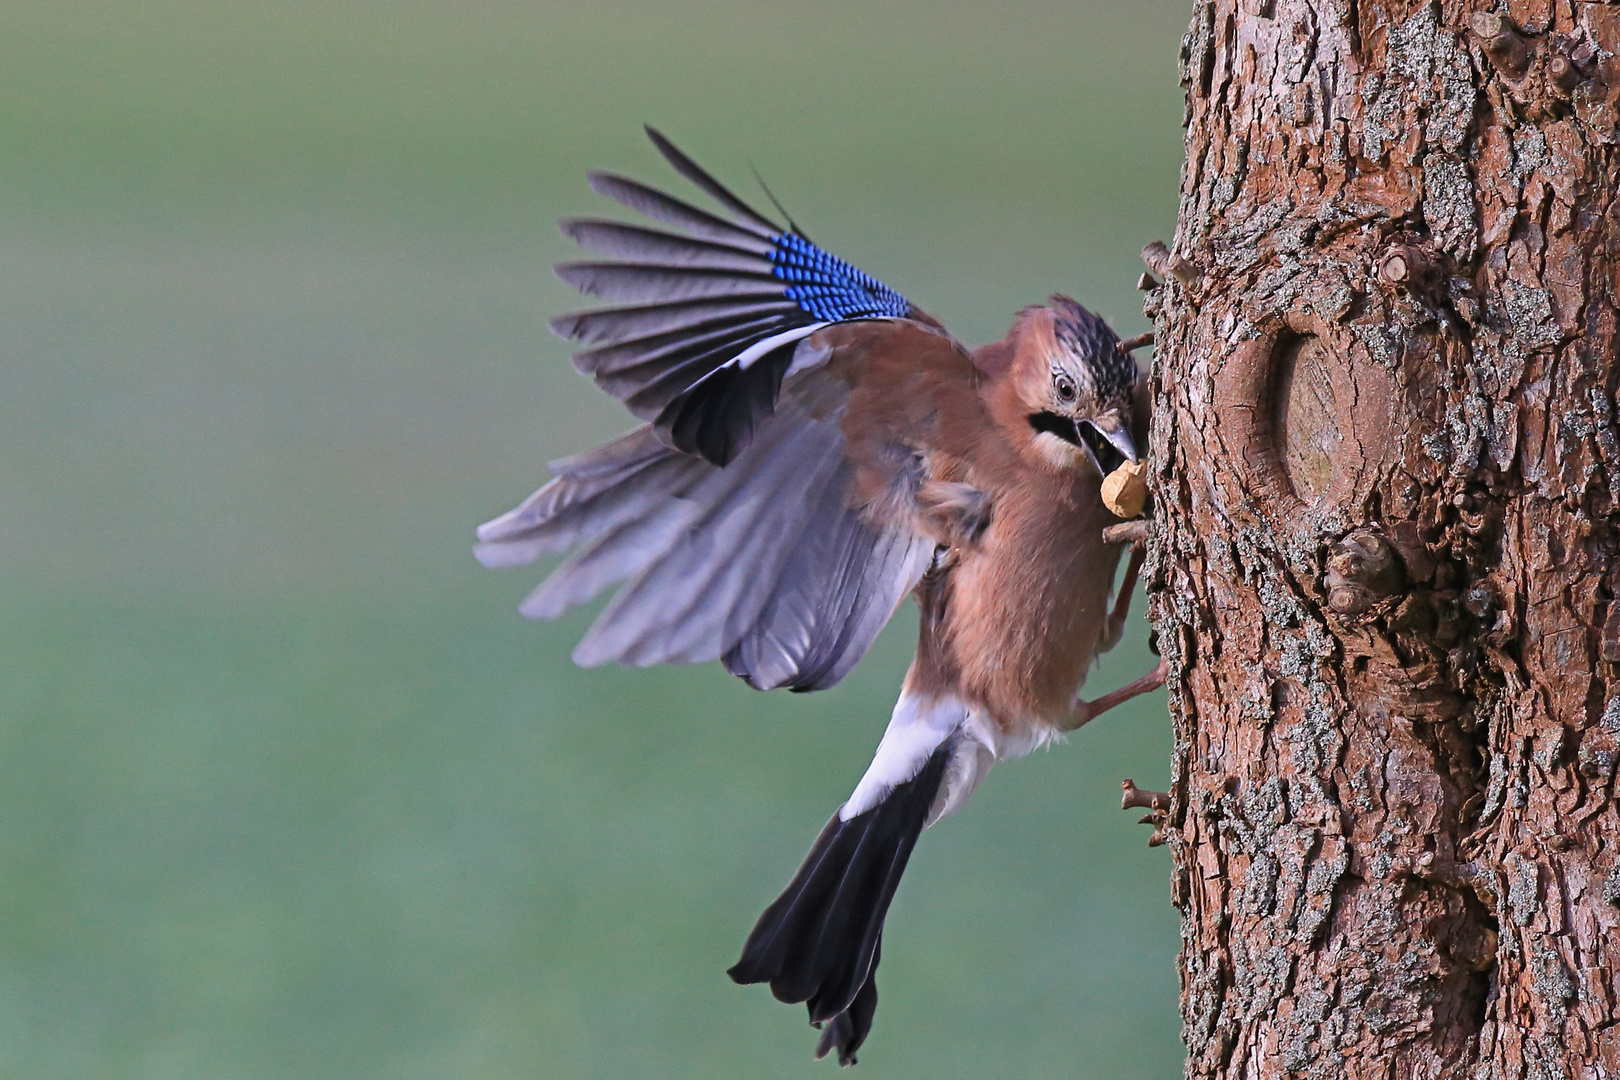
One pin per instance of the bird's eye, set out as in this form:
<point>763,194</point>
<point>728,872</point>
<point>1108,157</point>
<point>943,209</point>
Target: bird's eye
<point>1065,387</point>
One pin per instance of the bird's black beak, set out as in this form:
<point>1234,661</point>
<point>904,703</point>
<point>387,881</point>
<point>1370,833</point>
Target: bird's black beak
<point>1109,449</point>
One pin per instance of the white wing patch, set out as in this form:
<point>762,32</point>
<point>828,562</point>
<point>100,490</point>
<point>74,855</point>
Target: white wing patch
<point>746,358</point>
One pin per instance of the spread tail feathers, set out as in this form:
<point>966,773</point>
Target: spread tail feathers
<point>819,942</point>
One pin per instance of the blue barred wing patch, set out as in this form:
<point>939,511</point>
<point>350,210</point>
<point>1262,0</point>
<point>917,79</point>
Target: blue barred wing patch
<point>830,289</point>
<point>718,308</point>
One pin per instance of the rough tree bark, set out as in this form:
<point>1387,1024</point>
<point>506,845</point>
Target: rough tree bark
<point>1387,471</point>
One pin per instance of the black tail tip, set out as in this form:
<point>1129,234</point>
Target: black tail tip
<point>820,942</point>
<point>846,1032</point>
<point>838,1034</point>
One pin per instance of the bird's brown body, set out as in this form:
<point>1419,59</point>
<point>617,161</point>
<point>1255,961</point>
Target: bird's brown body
<point>816,448</point>
<point>1015,613</point>
<point>1019,616</point>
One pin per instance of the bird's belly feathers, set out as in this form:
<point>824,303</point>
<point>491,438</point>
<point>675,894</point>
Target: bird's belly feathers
<point>1028,605</point>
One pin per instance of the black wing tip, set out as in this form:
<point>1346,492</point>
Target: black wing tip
<point>677,158</point>
<point>682,163</point>
<point>670,152</point>
<point>660,140</point>
<point>793,226</point>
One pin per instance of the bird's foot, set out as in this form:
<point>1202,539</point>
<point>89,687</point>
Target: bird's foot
<point>1086,711</point>
<point>1135,798</point>
<point>1157,803</point>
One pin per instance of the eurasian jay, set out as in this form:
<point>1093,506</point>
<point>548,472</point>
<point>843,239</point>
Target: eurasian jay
<point>814,449</point>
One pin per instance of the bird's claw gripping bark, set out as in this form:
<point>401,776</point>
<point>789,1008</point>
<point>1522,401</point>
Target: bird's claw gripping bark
<point>1135,798</point>
<point>1157,802</point>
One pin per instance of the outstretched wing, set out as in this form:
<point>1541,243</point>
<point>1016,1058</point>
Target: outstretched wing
<point>786,562</point>
<point>718,309</point>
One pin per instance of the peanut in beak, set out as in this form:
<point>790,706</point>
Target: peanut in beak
<point>1124,491</point>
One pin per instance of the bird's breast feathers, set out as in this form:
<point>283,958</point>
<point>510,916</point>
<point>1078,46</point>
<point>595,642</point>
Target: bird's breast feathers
<point>1026,604</point>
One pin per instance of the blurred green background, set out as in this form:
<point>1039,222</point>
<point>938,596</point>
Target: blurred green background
<point>287,788</point>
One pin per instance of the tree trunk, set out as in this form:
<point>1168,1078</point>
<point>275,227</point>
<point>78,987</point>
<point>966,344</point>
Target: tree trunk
<point>1387,471</point>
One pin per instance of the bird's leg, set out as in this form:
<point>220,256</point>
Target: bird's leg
<point>1114,629</point>
<point>1157,803</point>
<point>1085,711</point>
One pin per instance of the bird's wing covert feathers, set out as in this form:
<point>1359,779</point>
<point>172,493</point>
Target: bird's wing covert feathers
<point>767,514</point>
<point>715,310</point>
<point>785,563</point>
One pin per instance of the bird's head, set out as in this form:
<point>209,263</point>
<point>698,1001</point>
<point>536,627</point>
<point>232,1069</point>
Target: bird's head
<point>1075,387</point>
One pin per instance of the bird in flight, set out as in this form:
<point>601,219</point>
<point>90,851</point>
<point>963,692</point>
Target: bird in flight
<point>814,448</point>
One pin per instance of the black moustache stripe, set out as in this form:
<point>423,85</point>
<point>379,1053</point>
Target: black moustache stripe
<point>1081,433</point>
<point>1053,424</point>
